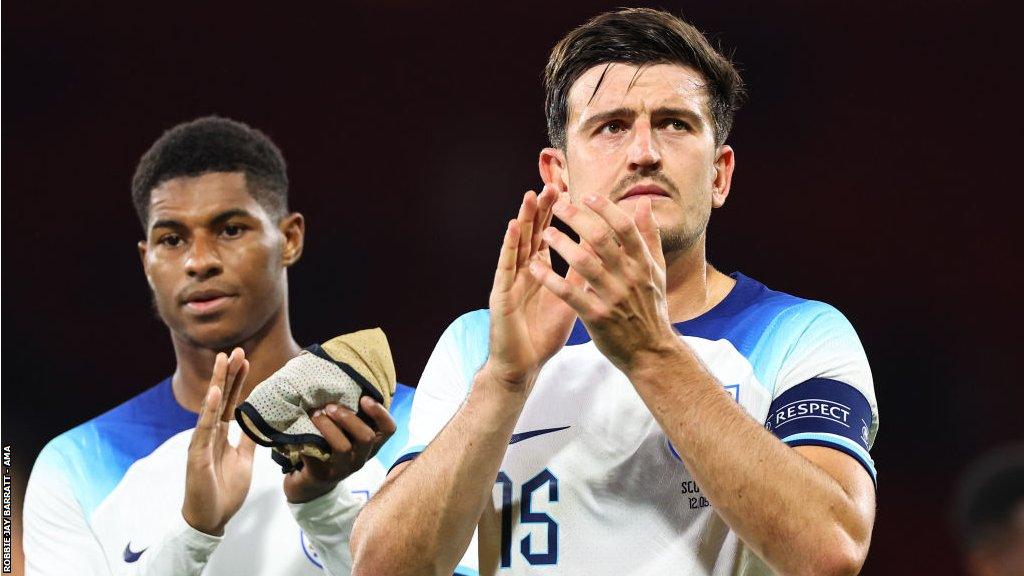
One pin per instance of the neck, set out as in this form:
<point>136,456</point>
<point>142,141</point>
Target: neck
<point>693,285</point>
<point>267,350</point>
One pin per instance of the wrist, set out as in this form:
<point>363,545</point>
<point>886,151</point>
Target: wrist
<point>308,491</point>
<point>504,381</point>
<point>648,363</point>
<point>199,526</point>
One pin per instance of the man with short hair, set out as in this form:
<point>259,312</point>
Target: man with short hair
<point>154,486</point>
<point>646,413</point>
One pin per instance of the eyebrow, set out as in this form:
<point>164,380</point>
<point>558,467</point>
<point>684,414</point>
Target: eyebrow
<point>218,219</point>
<point>628,113</point>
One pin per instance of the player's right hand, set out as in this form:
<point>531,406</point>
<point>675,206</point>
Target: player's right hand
<point>528,324</point>
<point>218,475</point>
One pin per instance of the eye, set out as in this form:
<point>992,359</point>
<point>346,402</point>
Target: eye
<point>233,230</point>
<point>170,240</point>
<point>613,127</point>
<point>676,124</point>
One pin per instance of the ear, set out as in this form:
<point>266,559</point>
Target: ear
<point>293,227</point>
<point>143,250</point>
<point>553,169</point>
<point>725,163</point>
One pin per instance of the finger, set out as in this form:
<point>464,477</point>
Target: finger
<point>545,201</point>
<point>359,433</point>
<point>246,448</point>
<point>583,260</point>
<point>575,279</point>
<point>383,423</point>
<point>527,213</point>
<point>619,222</point>
<point>505,273</point>
<point>220,439</point>
<point>570,293</point>
<point>592,230</point>
<point>649,230</point>
<point>228,382</point>
<point>235,360</point>
<point>206,426</point>
<point>208,412</point>
<point>561,197</point>
<point>236,392</point>
<point>336,439</point>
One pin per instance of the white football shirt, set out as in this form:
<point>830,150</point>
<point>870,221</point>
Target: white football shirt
<point>591,485</point>
<point>105,498</point>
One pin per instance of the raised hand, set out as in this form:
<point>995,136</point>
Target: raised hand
<point>623,302</point>
<point>218,475</point>
<point>528,324</point>
<point>352,441</point>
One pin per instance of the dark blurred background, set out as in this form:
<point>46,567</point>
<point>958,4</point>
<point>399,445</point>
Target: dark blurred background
<point>876,171</point>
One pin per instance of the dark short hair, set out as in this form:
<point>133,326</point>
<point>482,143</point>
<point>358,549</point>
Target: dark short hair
<point>989,493</point>
<point>639,36</point>
<point>213,144</point>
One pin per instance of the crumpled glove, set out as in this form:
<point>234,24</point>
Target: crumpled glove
<point>340,371</point>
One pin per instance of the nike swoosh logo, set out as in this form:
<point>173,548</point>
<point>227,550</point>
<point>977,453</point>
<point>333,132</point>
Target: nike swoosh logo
<point>130,556</point>
<point>524,435</point>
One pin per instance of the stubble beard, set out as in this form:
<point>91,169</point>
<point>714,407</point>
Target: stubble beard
<point>679,240</point>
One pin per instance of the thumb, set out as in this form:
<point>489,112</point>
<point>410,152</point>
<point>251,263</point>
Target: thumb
<point>246,448</point>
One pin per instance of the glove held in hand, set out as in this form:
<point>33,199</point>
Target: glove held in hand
<point>276,413</point>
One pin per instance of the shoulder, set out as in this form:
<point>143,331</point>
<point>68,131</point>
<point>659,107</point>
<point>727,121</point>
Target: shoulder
<point>470,329</point>
<point>93,456</point>
<point>463,346</point>
<point>754,313</point>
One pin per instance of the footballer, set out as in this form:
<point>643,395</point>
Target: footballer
<point>162,485</point>
<point>644,413</point>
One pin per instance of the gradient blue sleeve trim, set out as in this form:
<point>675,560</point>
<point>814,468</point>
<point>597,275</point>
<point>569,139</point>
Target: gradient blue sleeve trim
<point>401,407</point>
<point>465,571</point>
<point>472,335</point>
<point>836,442</point>
<point>409,453</point>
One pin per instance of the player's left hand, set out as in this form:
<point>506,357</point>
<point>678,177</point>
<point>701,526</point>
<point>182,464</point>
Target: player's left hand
<point>623,304</point>
<point>352,441</point>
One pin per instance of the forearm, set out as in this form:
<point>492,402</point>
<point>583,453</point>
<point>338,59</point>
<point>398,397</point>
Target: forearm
<point>806,523</point>
<point>422,521</point>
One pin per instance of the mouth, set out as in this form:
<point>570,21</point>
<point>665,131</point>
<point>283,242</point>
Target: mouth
<point>652,191</point>
<point>207,301</point>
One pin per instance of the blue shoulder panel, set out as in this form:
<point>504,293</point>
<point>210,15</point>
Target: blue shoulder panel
<point>94,456</point>
<point>401,406</point>
<point>762,324</point>
<point>471,334</point>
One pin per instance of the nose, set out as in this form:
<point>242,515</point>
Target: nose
<point>203,260</point>
<point>643,151</point>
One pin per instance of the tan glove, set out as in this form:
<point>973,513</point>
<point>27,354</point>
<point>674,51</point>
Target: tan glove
<point>340,371</point>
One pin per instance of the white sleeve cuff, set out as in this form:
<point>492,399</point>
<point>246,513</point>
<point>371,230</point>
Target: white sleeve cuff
<point>196,542</point>
<point>183,551</point>
<point>327,522</point>
<point>338,502</point>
